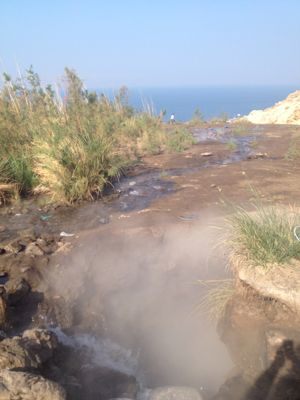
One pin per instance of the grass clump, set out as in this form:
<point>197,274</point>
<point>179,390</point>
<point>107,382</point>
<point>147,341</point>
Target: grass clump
<point>265,237</point>
<point>241,127</point>
<point>179,139</point>
<point>72,142</point>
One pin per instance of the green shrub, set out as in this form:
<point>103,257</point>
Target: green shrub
<point>179,139</point>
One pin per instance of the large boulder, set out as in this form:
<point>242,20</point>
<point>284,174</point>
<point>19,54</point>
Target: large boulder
<point>40,341</point>
<point>29,351</point>
<point>15,290</point>
<point>24,386</point>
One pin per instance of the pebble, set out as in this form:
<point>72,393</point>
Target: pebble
<point>2,228</point>
<point>207,154</point>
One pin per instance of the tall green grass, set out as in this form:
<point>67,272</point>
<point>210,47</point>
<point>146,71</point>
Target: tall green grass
<point>70,142</point>
<point>265,236</point>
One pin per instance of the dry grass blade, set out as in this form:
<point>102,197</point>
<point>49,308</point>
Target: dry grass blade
<point>217,294</point>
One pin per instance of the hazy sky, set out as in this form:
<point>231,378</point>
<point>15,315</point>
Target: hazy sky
<point>154,43</point>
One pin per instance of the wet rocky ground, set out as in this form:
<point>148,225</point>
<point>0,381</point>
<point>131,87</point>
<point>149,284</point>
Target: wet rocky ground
<point>128,263</point>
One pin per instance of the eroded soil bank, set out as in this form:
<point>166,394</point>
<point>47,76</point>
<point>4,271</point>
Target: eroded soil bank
<point>127,278</point>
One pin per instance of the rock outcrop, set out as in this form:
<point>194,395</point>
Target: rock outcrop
<point>284,112</point>
<point>25,386</point>
<point>35,347</point>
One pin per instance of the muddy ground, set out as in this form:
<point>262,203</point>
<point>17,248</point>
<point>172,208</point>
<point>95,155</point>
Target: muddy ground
<point>129,271</point>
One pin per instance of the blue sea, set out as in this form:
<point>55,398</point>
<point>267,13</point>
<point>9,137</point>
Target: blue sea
<point>211,100</point>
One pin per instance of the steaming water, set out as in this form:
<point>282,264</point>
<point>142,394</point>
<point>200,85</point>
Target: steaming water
<point>142,283</point>
<point>102,352</point>
<point>106,353</point>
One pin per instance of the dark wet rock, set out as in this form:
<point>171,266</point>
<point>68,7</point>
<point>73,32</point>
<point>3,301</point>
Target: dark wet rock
<point>25,386</point>
<point>13,354</point>
<point>29,351</point>
<point>175,393</point>
<point>105,383</point>
<point>41,341</point>
<point>3,278</point>
<point>15,290</point>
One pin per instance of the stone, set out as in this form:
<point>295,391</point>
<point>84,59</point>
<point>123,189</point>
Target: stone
<point>13,354</point>
<point>175,393</point>
<point>41,341</point>
<point>277,282</point>
<point>33,250</point>
<point>2,228</point>
<point>35,347</point>
<point>26,386</point>
<point>14,247</point>
<point>206,154</point>
<point>15,290</point>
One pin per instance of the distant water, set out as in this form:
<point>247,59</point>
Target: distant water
<point>212,101</point>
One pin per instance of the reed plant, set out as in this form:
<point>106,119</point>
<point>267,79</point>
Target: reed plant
<point>70,142</point>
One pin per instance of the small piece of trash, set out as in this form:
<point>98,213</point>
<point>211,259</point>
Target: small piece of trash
<point>134,193</point>
<point>132,183</point>
<point>295,232</point>
<point>124,216</point>
<point>144,211</point>
<point>65,234</point>
<point>156,187</point>
<point>18,215</point>
<point>45,217</point>
<point>207,154</point>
